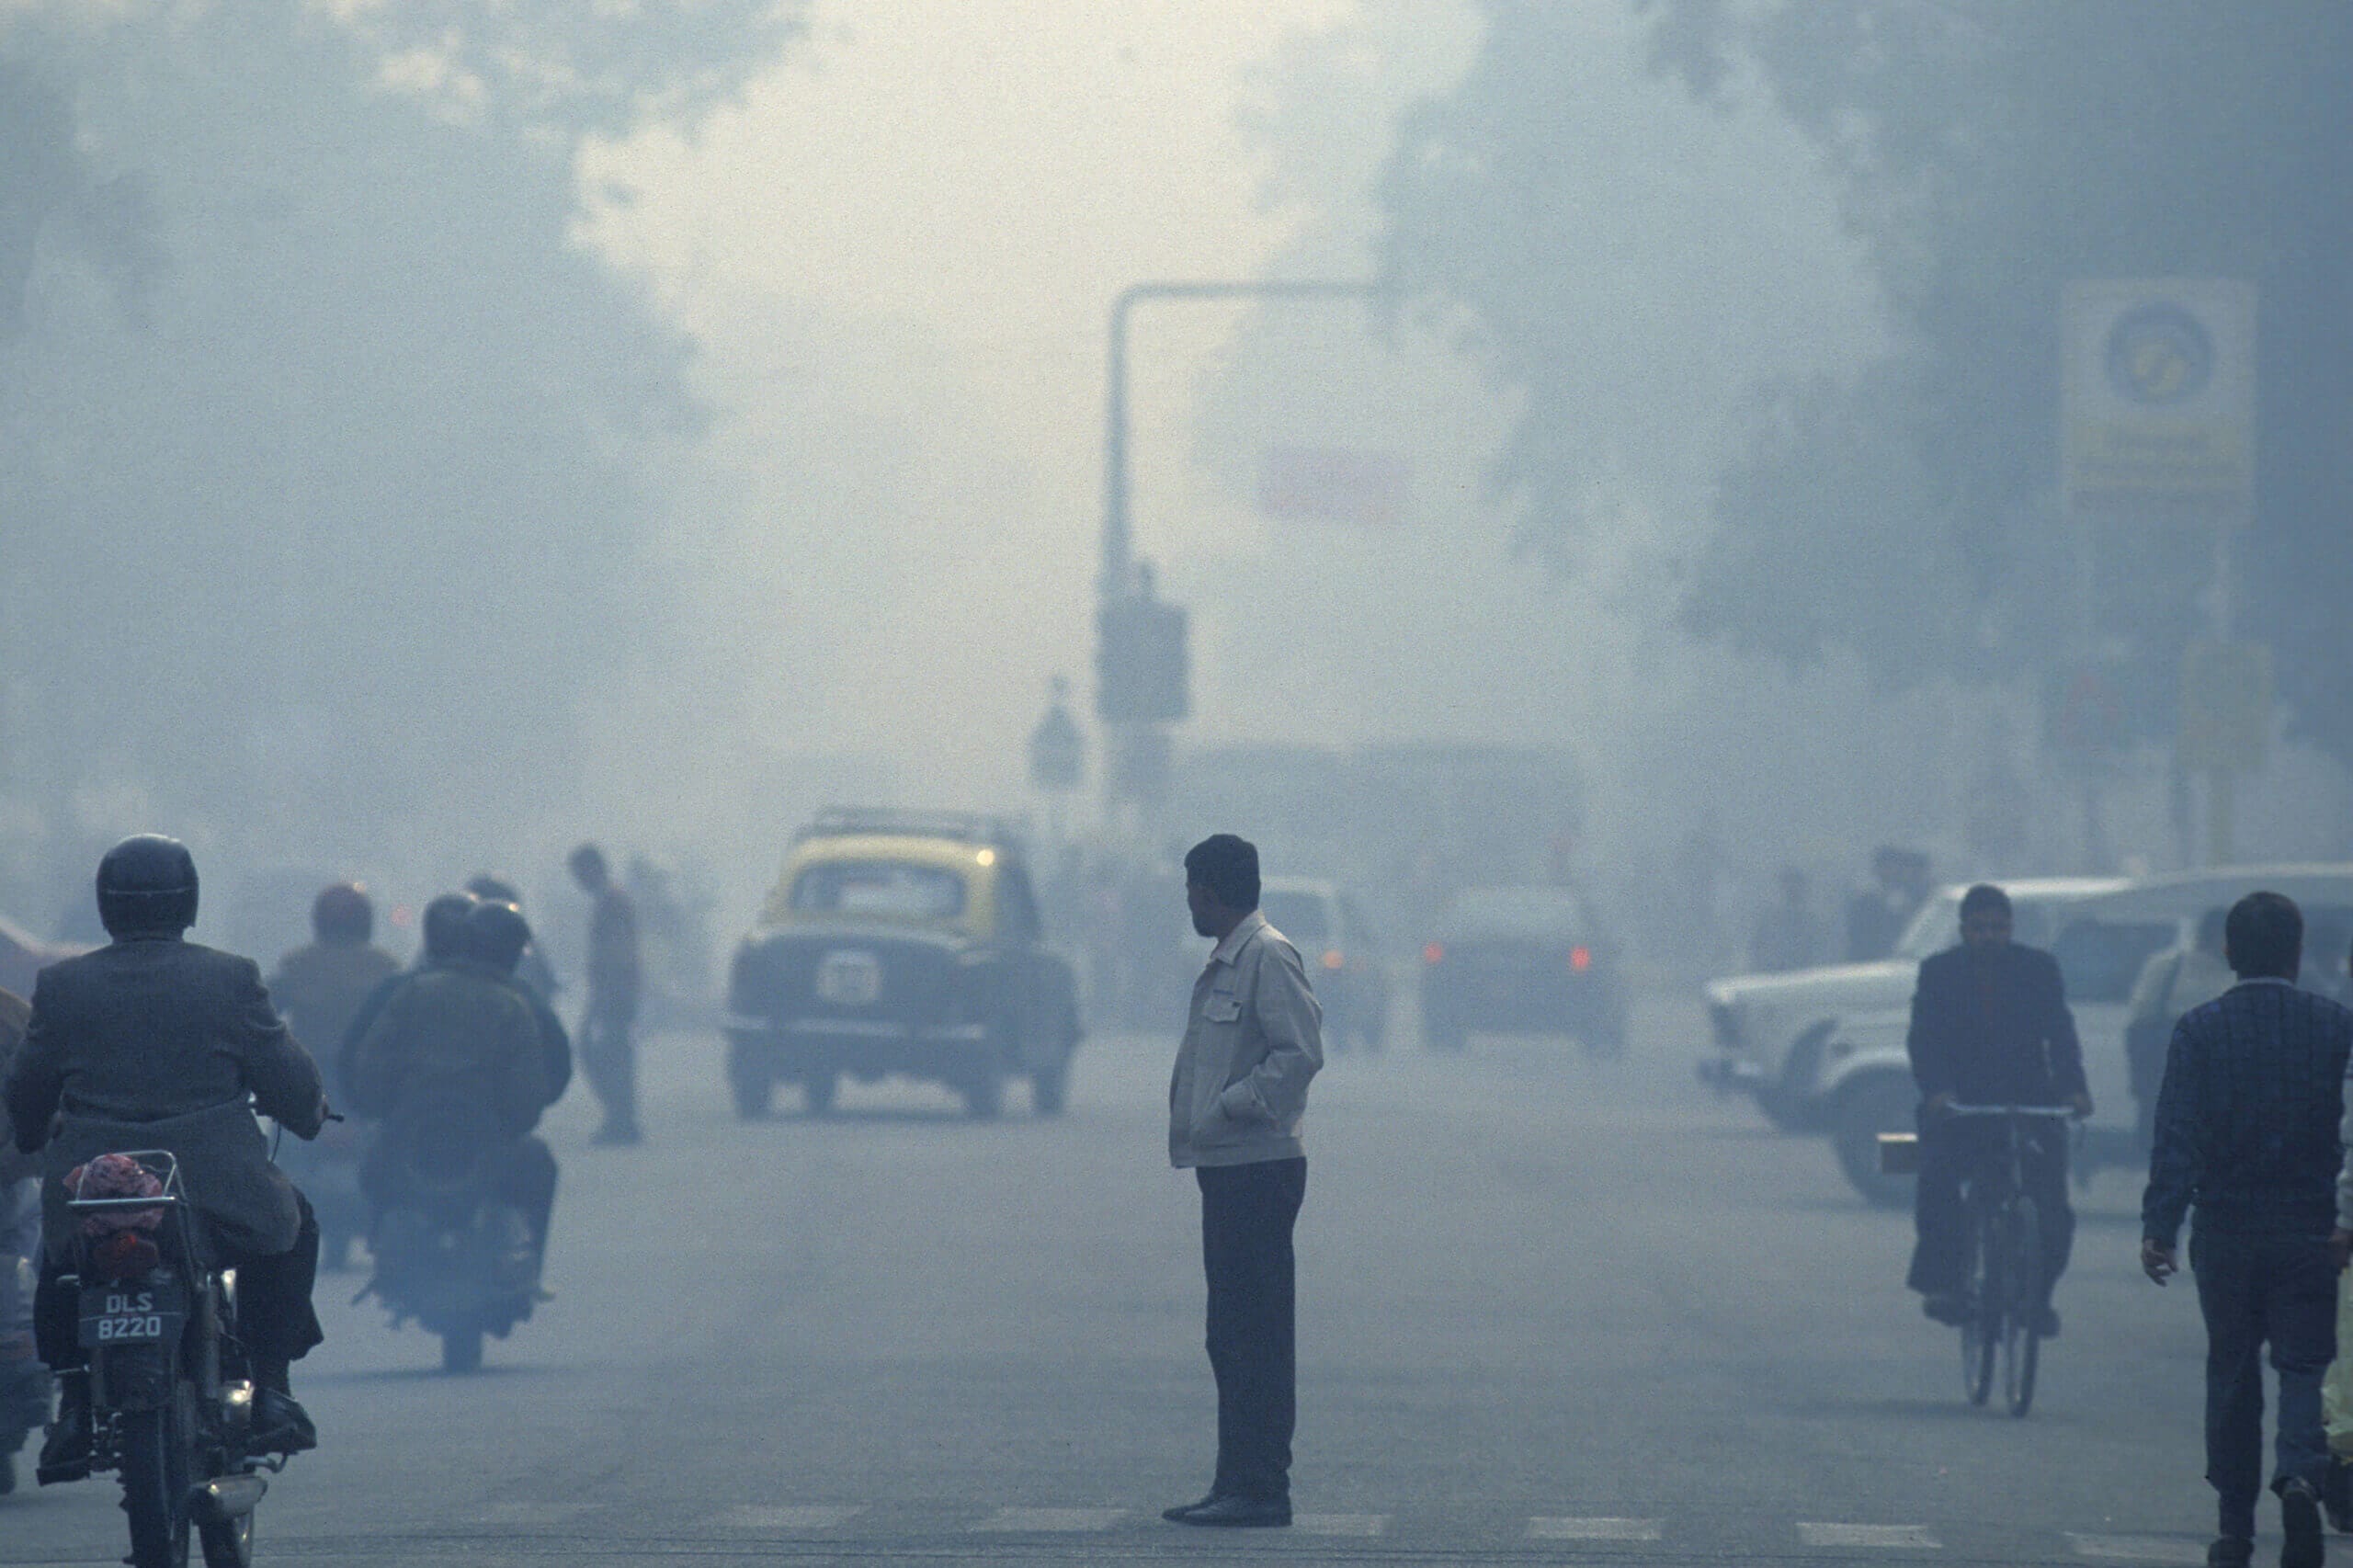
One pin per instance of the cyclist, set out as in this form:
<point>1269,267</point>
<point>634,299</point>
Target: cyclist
<point>1990,1026</point>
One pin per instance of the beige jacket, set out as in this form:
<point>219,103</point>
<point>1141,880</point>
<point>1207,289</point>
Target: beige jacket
<point>1252,1041</point>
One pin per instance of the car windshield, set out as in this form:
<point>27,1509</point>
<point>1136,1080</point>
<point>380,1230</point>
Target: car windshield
<point>1518,911</point>
<point>2101,960</point>
<point>889,890</point>
<point>1938,925</point>
<point>1299,915</point>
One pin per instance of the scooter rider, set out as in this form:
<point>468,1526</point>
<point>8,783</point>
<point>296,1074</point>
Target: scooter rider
<point>444,924</point>
<point>154,1041</point>
<point>496,937</point>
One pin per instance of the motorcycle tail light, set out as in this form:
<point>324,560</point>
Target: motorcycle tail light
<point>1434,953</point>
<point>126,1255</point>
<point>1580,959</point>
<point>1336,960</point>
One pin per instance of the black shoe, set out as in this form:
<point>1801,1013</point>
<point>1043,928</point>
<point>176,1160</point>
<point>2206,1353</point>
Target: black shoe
<point>2230,1551</point>
<point>65,1452</point>
<point>1946,1309</point>
<point>2300,1523</point>
<point>1176,1515</point>
<point>1237,1513</point>
<point>280,1425</point>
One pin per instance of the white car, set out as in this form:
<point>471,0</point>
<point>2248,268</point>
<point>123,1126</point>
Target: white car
<point>1862,1074</point>
<point>1771,1030</point>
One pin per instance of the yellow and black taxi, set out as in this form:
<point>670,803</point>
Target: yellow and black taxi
<point>907,943</point>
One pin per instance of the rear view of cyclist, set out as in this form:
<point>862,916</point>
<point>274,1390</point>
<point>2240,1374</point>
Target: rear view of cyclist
<point>1990,1027</point>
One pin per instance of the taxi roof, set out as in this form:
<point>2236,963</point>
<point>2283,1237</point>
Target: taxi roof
<point>921,848</point>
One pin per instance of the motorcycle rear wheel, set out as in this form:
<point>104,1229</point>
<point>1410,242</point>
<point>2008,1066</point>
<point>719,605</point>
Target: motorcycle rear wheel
<point>155,1454</point>
<point>461,1350</point>
<point>228,1544</point>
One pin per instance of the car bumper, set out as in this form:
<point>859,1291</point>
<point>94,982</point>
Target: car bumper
<point>873,1046</point>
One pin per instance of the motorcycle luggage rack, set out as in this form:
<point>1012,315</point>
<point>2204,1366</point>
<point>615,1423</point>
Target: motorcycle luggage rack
<point>161,1164</point>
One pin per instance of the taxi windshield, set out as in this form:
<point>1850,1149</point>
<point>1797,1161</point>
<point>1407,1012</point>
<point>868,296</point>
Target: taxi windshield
<point>889,890</point>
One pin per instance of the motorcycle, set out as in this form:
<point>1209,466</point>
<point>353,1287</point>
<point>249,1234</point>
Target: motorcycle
<point>171,1398</point>
<point>448,1252</point>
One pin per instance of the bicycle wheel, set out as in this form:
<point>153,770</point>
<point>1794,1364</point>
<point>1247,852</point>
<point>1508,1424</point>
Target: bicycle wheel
<point>1980,1330</point>
<point>2022,1306</point>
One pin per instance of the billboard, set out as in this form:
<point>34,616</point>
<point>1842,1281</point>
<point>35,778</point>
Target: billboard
<point>2157,401</point>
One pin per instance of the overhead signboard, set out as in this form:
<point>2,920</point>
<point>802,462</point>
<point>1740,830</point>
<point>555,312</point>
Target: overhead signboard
<point>2157,401</point>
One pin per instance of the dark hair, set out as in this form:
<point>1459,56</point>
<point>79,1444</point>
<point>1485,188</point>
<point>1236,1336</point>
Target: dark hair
<point>2265,934</point>
<point>587,863</point>
<point>342,913</point>
<point>1228,866</point>
<point>1985,899</point>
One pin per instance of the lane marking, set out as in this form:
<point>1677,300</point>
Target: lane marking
<point>791,1516</point>
<point>2153,1549</point>
<point>1884,1537</point>
<point>1052,1520</point>
<point>1339,1524</point>
<point>1552,1526</point>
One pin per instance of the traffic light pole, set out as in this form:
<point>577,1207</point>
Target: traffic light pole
<point>1119,540</point>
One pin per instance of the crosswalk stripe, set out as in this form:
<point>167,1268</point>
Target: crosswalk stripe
<point>789,1517</point>
<point>1339,1524</point>
<point>2150,1549</point>
<point>1552,1526</point>
<point>1896,1538</point>
<point>1051,1520</point>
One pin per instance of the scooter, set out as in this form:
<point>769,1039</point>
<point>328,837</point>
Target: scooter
<point>447,1252</point>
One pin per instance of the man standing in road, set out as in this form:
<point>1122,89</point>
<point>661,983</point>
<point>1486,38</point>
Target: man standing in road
<point>1252,1042</point>
<point>2249,1132</point>
<point>1990,1027</point>
<point>607,1054</point>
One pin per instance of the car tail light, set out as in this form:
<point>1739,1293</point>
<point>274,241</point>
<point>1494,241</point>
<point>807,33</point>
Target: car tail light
<point>1434,953</point>
<point>1580,957</point>
<point>1335,958</point>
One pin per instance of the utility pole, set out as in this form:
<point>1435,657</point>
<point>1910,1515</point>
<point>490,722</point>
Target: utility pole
<point>1141,661</point>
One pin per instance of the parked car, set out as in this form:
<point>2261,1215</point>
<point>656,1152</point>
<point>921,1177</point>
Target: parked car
<point>1522,960</point>
<point>899,942</point>
<point>1342,964</point>
<point>1861,1084</point>
<point>1771,1030</point>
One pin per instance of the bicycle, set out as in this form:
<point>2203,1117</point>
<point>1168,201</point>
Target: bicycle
<point>2007,1290</point>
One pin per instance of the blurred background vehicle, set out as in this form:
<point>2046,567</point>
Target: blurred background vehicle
<point>1344,963</point>
<point>1522,960</point>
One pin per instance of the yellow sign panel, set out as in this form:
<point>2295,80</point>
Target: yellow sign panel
<point>2225,706</point>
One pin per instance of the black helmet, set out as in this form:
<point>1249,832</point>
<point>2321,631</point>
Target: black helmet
<point>484,885</point>
<point>496,934</point>
<point>343,913</point>
<point>147,887</point>
<point>445,924</point>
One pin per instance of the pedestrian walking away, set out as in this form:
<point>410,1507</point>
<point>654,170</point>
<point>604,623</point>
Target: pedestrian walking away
<point>2250,1136</point>
<point>607,1050</point>
<point>1253,1041</point>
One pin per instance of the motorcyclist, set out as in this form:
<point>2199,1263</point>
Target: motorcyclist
<point>319,988</point>
<point>496,937</point>
<point>454,1031</point>
<point>443,925</point>
<point>532,970</point>
<point>155,1041</point>
<point>24,1381</point>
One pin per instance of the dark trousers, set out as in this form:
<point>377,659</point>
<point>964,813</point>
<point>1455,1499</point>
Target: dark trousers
<point>609,1059</point>
<point>276,1322</point>
<point>2256,1288</point>
<point>1954,1151</point>
<point>1247,1212</point>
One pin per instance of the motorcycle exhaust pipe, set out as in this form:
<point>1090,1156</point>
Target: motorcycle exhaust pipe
<point>229,1498</point>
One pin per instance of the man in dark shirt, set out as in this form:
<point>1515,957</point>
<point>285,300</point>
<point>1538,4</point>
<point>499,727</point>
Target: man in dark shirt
<point>1990,1027</point>
<point>607,1054</point>
<point>2248,1133</point>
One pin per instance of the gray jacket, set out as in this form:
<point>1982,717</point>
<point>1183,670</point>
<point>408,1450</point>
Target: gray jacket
<point>1253,1039</point>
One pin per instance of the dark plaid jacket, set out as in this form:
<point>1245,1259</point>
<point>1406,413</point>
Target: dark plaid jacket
<point>2248,1114</point>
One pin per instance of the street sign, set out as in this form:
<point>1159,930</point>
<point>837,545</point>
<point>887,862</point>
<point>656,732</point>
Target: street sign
<point>2157,401</point>
<point>2225,706</point>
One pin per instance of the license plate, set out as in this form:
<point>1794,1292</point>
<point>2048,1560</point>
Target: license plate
<point>850,978</point>
<point>131,1314</point>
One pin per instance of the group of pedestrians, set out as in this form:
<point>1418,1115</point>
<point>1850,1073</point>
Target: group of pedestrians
<point>2249,1138</point>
